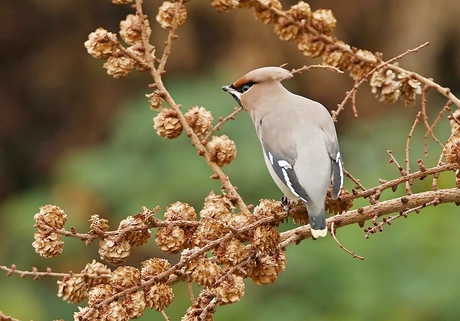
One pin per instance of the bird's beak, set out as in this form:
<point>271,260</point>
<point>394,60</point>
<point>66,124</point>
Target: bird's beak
<point>235,94</point>
<point>226,88</point>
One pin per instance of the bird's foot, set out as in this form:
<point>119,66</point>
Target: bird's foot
<point>285,203</point>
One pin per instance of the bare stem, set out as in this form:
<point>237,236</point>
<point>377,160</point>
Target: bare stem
<point>353,254</point>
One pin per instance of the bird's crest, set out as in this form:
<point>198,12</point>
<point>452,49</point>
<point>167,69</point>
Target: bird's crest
<point>264,74</point>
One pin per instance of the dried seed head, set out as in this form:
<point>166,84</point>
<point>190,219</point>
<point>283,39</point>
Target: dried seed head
<point>119,66</point>
<point>170,239</point>
<point>340,204</point>
<point>73,289</point>
<point>216,212</point>
<point>218,207</point>
<point>152,267</point>
<point>206,273</point>
<point>50,215</point>
<point>410,88</point>
<point>455,121</point>
<point>48,244</point>
<point>323,20</point>
<point>209,230</point>
<point>359,68</point>
<point>262,11</point>
<point>158,296</point>
<point>138,237</point>
<point>224,5</point>
<point>99,293</point>
<point>167,124</point>
<point>180,211</point>
<point>139,53</point>
<point>222,150</point>
<point>135,304</point>
<point>240,220</point>
<point>199,119</point>
<point>101,43</point>
<point>268,267</point>
<point>265,239</point>
<point>125,277</point>
<point>384,86</point>
<point>300,218</point>
<point>98,225</point>
<point>300,11</point>
<point>337,58</point>
<point>115,311</point>
<point>86,313</point>
<point>171,15</point>
<point>286,30</point>
<point>267,208</point>
<point>93,270</point>
<point>230,252</point>
<point>310,46</point>
<point>451,150</point>
<point>155,100</point>
<point>132,28</point>
<point>114,250</point>
<point>230,290</point>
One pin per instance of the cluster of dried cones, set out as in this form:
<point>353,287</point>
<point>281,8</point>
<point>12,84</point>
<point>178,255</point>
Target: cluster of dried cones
<point>251,253</point>
<point>222,150</point>
<point>451,150</point>
<point>312,31</point>
<point>217,252</point>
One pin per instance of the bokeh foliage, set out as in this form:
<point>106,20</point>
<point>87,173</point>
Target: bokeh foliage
<point>407,272</point>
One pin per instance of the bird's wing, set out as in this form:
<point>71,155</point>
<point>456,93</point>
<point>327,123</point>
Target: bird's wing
<point>334,153</point>
<point>280,149</point>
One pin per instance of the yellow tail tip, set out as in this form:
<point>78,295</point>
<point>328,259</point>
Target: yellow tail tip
<point>318,233</point>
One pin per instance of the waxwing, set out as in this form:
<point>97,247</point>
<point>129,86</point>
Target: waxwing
<point>298,139</point>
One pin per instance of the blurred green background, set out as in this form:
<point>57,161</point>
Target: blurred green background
<point>72,136</point>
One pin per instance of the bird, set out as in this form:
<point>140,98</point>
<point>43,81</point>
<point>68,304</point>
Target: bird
<point>298,139</point>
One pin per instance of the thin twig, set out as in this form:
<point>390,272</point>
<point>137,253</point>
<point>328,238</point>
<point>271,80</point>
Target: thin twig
<point>355,180</point>
<point>446,92</point>
<point>378,227</point>
<point>165,316</point>
<point>190,289</point>
<point>394,161</point>
<point>431,128</point>
<point>221,122</point>
<point>310,67</point>
<point>37,274</point>
<point>358,185</point>
<point>351,93</point>
<point>353,254</point>
<point>407,150</point>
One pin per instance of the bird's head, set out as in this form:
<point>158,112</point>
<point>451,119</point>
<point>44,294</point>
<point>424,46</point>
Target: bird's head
<point>257,84</point>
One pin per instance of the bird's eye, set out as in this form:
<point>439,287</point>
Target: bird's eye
<point>244,88</point>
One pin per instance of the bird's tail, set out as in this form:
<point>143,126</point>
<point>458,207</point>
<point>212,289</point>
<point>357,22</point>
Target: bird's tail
<point>317,222</point>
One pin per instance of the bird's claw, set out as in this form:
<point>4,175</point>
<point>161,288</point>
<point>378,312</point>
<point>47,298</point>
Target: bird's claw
<point>285,203</point>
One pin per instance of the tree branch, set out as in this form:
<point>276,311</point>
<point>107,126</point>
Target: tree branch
<point>363,214</point>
